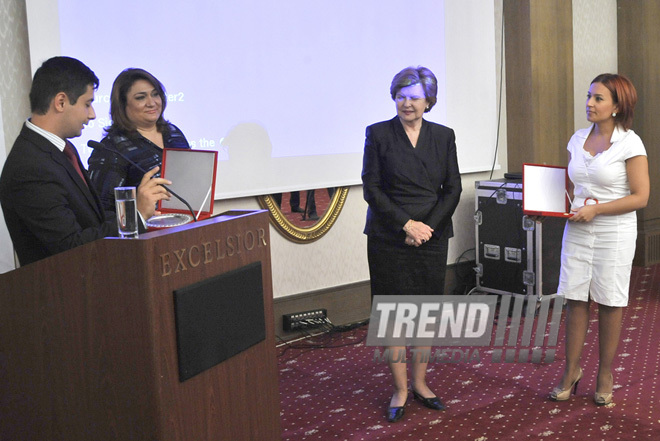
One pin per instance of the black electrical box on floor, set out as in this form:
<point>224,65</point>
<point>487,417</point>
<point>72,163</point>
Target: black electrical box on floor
<point>515,255</point>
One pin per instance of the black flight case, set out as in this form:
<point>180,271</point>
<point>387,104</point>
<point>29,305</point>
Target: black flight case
<point>514,255</point>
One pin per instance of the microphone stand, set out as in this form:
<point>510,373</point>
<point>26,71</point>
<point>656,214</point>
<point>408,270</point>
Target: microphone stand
<point>97,145</point>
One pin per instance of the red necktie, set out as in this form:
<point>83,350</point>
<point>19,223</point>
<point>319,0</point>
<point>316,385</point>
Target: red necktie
<point>73,159</point>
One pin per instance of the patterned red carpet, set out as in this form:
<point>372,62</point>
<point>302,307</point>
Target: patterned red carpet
<point>341,393</point>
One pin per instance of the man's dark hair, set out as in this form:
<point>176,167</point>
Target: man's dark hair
<point>60,74</point>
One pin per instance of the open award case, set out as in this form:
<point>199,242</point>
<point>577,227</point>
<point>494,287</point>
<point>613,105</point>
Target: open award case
<point>545,191</point>
<point>192,173</point>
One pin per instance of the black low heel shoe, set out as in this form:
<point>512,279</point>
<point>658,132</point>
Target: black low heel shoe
<point>394,414</point>
<point>432,403</point>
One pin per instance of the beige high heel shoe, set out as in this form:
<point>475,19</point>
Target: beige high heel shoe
<point>603,399</point>
<point>558,394</point>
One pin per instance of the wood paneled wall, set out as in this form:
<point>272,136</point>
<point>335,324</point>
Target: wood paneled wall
<point>539,80</point>
<point>638,23</point>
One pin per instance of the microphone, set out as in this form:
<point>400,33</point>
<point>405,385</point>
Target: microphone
<point>97,145</point>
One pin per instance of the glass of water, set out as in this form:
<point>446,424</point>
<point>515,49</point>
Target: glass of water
<point>126,205</point>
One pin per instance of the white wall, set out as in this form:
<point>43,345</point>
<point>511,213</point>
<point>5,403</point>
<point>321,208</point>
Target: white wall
<point>14,87</point>
<point>6,249</point>
<point>594,48</point>
<point>15,77</point>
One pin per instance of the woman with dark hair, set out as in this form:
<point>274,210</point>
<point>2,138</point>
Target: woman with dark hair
<point>412,185</point>
<point>139,131</point>
<point>609,175</point>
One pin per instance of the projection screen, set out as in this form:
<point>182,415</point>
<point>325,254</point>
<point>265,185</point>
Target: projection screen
<point>283,90</point>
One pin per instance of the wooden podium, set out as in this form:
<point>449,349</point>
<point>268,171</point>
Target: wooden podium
<point>90,340</point>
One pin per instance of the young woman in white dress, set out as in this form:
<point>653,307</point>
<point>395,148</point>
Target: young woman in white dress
<point>608,170</point>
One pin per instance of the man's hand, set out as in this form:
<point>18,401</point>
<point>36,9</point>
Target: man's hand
<point>149,192</point>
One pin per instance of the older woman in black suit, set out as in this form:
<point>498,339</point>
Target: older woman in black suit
<point>412,185</point>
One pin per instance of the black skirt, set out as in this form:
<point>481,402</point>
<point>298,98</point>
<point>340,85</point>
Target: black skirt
<point>407,270</point>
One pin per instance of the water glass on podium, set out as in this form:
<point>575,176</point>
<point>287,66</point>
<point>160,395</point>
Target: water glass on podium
<point>126,204</point>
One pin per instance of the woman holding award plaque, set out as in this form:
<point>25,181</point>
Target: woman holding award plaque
<point>608,170</point>
<point>138,132</point>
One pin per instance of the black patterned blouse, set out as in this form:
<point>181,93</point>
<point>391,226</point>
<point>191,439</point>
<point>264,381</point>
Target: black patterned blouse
<point>108,170</point>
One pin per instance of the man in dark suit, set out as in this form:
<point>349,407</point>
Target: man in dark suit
<point>48,202</point>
